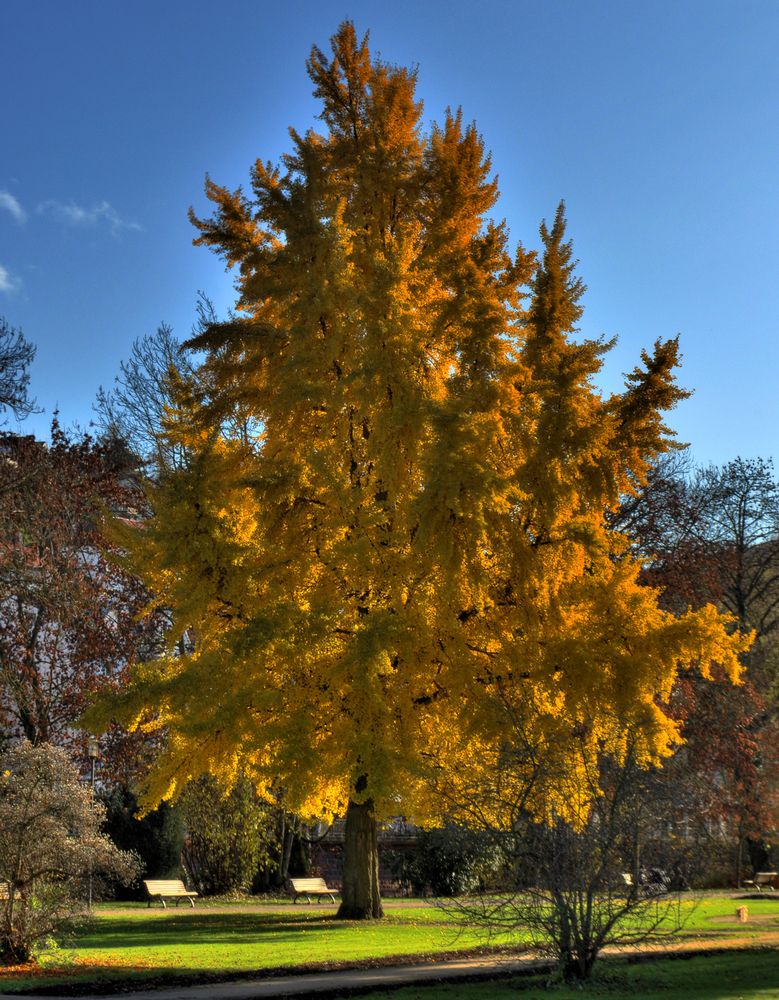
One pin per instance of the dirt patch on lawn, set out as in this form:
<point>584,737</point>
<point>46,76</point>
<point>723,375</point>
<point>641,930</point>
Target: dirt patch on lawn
<point>753,918</point>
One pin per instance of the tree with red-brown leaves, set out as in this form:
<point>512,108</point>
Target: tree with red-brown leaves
<point>712,534</point>
<point>69,614</point>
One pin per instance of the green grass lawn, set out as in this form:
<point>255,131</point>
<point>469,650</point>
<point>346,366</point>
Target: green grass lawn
<point>716,915</point>
<point>137,942</point>
<point>146,942</point>
<point>740,975</point>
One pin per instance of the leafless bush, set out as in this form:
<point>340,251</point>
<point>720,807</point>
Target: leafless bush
<point>570,887</point>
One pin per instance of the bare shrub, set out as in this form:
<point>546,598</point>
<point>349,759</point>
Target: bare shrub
<point>572,886</point>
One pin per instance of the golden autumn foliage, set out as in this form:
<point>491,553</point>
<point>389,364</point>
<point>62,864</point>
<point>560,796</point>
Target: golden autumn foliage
<point>413,546</point>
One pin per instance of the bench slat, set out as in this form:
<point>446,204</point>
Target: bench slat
<point>167,886</point>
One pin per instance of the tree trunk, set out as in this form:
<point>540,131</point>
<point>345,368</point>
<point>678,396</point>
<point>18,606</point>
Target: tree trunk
<point>739,859</point>
<point>577,967</point>
<point>287,839</point>
<point>360,895</point>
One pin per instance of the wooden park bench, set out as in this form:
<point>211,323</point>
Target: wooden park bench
<point>172,888</point>
<point>652,882</point>
<point>761,880</point>
<point>309,887</point>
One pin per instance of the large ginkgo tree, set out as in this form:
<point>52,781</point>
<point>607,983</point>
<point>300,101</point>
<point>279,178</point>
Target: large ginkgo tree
<point>390,535</point>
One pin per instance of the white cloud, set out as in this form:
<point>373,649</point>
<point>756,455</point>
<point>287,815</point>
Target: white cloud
<point>8,283</point>
<point>77,215</point>
<point>10,204</point>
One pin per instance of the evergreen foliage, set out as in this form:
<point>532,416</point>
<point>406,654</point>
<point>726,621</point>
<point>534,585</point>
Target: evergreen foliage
<point>451,861</point>
<point>229,837</point>
<point>156,838</point>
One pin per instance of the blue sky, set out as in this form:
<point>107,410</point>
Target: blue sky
<point>657,123</point>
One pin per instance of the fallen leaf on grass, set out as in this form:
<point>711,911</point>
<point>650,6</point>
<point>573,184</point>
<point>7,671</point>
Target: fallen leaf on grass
<point>76,967</point>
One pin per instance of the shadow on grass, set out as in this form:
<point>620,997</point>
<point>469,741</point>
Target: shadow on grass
<point>738,975</point>
<point>728,975</point>
<point>206,929</point>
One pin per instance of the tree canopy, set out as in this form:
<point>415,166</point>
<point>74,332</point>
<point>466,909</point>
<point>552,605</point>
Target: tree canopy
<point>69,616</point>
<point>416,535</point>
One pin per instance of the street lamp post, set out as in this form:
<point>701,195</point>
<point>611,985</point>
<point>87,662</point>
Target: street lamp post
<point>93,749</point>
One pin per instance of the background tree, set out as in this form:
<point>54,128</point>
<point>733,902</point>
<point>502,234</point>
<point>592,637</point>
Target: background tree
<point>739,523</point>
<point>738,528</point>
<point>50,844</point>
<point>16,356</point>
<point>69,620</point>
<point>712,534</point>
<point>417,532</point>
<point>134,410</point>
